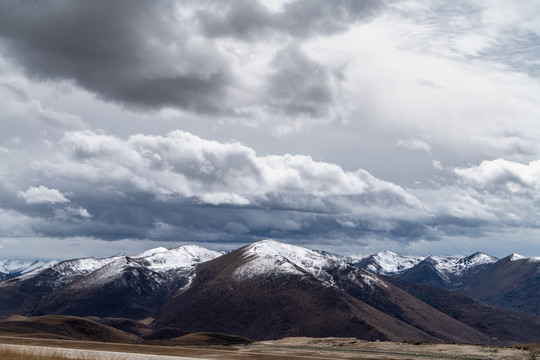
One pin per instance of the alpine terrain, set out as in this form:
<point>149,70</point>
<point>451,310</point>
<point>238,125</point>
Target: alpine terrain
<point>511,283</point>
<point>271,290</point>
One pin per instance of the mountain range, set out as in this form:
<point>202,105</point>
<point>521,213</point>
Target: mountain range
<point>13,268</point>
<point>512,282</point>
<point>270,290</point>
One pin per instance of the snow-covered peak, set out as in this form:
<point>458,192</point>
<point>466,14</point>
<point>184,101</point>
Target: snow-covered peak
<point>65,271</point>
<point>17,267</point>
<point>307,259</point>
<point>270,256</point>
<point>443,265</point>
<point>83,265</point>
<point>515,256</point>
<point>477,259</point>
<point>182,257</point>
<point>457,266</point>
<point>150,252</point>
<point>106,273</point>
<point>336,257</point>
<point>388,262</point>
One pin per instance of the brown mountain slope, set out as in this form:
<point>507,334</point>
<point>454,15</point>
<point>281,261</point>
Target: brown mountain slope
<point>122,288</point>
<point>65,327</point>
<point>509,326</point>
<point>510,283</point>
<point>280,304</point>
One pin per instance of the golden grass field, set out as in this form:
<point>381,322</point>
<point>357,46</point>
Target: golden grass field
<point>24,354</point>
<point>285,349</point>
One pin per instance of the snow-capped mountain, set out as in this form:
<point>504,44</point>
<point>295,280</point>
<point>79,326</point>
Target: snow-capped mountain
<point>270,256</point>
<point>442,271</point>
<point>121,288</point>
<point>128,286</point>
<point>512,283</point>
<point>388,262</point>
<point>269,289</point>
<point>273,258</point>
<point>83,276</point>
<point>180,258</point>
<point>57,274</point>
<point>18,267</point>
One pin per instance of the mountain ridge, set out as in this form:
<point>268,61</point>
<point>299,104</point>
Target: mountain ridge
<point>269,289</point>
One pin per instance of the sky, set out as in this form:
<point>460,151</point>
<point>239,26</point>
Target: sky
<point>347,126</point>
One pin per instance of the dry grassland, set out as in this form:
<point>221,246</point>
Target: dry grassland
<point>285,349</point>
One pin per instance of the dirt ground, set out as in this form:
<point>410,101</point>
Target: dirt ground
<point>296,349</point>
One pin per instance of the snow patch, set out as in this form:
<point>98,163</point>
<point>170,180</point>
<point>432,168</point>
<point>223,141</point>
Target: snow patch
<point>182,257</point>
<point>17,267</point>
<point>371,280</point>
<point>270,256</point>
<point>104,274</point>
<point>387,262</point>
<point>150,252</point>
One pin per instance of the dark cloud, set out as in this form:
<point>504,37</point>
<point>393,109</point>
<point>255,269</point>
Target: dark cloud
<point>129,51</point>
<point>248,19</point>
<point>182,186</point>
<point>153,54</point>
<point>299,85</point>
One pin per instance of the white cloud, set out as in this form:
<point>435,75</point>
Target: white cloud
<point>42,195</point>
<point>182,164</point>
<point>414,144</point>
<point>500,174</point>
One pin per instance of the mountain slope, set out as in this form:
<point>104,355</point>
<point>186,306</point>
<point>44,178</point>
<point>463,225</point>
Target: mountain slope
<point>127,287</point>
<point>495,322</point>
<point>122,288</point>
<point>24,292</point>
<point>269,290</point>
<point>511,283</point>
<point>156,269</point>
<point>66,327</point>
<point>17,267</point>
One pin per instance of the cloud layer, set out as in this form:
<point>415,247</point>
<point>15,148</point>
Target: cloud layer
<point>183,187</point>
<point>161,186</point>
<point>354,124</point>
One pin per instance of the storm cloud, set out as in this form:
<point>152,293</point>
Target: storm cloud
<point>355,126</point>
<point>162,186</point>
<point>151,54</point>
<point>181,186</point>
<point>250,19</point>
<point>133,52</point>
